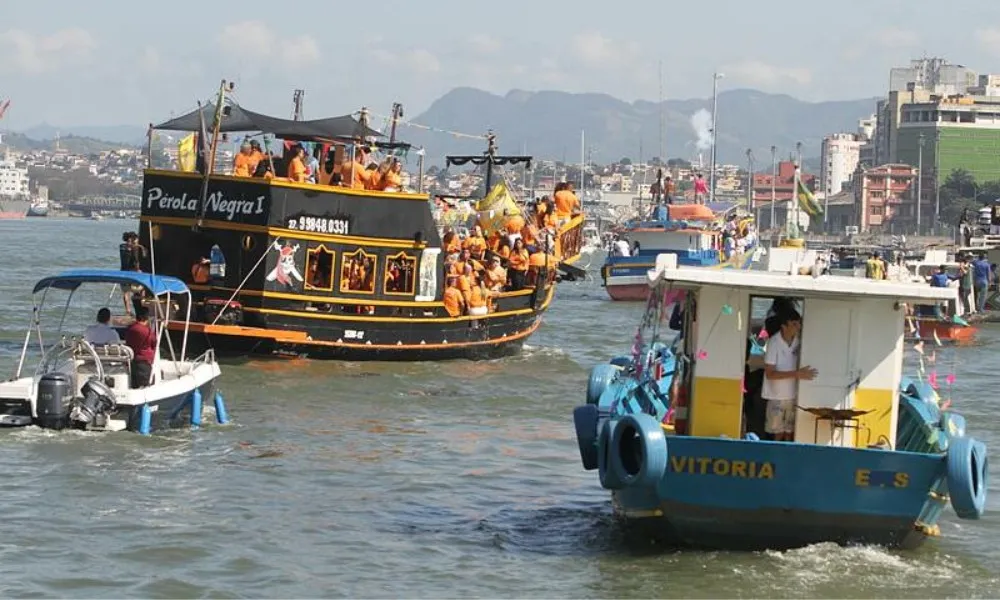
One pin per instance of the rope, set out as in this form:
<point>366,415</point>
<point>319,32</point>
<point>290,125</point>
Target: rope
<point>459,134</point>
<point>242,283</point>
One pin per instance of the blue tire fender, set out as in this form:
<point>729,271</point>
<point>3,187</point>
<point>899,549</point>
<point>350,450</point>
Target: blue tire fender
<point>621,361</point>
<point>609,480</point>
<point>638,451</point>
<point>967,477</point>
<point>585,420</point>
<point>600,377</point>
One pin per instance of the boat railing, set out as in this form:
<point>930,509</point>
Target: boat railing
<point>571,237</point>
<point>205,358</point>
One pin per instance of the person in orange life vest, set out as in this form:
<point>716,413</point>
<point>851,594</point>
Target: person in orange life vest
<point>356,175</point>
<point>566,201</point>
<point>454,301</point>
<point>242,161</point>
<point>380,169</point>
<point>297,165</point>
<point>451,242</point>
<point>478,300</point>
<point>465,282</point>
<point>504,249</point>
<point>392,181</point>
<point>495,276</point>
<point>475,243</point>
<point>256,155</point>
<point>200,272</point>
<point>517,264</point>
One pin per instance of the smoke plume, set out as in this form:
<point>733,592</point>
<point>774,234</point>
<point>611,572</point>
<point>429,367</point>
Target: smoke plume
<point>701,122</point>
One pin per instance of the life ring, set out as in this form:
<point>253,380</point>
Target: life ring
<point>609,479</point>
<point>585,420</point>
<point>967,477</point>
<point>600,377</point>
<point>638,451</point>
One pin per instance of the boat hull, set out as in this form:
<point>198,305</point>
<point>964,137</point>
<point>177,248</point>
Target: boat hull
<point>626,278</point>
<point>946,331</point>
<point>748,495</point>
<point>305,338</point>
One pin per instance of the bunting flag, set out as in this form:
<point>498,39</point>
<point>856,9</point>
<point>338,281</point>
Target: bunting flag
<point>807,201</point>
<point>186,156</point>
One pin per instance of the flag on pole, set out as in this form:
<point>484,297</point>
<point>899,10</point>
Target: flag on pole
<point>203,142</point>
<point>186,156</point>
<point>807,201</point>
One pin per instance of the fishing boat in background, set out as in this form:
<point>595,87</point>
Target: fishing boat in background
<point>688,231</point>
<point>327,271</point>
<point>876,456</point>
<point>13,208</point>
<point>79,385</point>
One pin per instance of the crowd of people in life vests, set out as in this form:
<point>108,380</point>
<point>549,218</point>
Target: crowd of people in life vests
<point>479,267</point>
<point>300,166</point>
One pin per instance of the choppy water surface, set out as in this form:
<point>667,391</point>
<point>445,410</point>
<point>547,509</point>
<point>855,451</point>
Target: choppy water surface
<point>410,480</point>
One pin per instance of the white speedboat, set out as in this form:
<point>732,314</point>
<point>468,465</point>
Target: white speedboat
<point>81,385</point>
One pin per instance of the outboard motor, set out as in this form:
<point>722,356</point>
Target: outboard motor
<point>95,407</point>
<point>55,392</point>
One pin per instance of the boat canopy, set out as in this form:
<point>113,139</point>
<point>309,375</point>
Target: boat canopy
<point>785,284</point>
<point>690,212</point>
<point>240,119</point>
<point>158,285</point>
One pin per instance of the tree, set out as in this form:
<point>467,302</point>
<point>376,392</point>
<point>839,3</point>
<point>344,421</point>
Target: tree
<point>625,162</point>
<point>961,183</point>
<point>679,163</point>
<point>656,161</point>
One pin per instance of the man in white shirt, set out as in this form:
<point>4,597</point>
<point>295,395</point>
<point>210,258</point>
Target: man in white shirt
<point>101,333</point>
<point>782,375</point>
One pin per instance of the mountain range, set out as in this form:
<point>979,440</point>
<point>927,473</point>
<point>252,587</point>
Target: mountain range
<point>548,125</point>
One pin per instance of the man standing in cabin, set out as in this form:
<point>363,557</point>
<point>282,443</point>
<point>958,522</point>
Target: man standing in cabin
<point>782,374</point>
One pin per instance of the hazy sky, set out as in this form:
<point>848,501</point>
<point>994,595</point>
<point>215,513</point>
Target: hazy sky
<point>112,62</point>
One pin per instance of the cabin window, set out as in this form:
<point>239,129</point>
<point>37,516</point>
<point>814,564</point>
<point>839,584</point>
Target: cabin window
<point>319,269</point>
<point>400,274</point>
<point>357,272</point>
<point>248,243</point>
<point>428,275</point>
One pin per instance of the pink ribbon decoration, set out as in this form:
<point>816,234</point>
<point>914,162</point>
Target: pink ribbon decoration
<point>763,335</point>
<point>672,296</point>
<point>932,379</point>
<point>950,379</point>
<point>702,355</point>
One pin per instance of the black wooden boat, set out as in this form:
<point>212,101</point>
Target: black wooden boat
<point>265,236</point>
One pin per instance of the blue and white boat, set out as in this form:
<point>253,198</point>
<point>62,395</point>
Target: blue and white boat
<point>87,386</point>
<point>685,230</point>
<point>875,456</point>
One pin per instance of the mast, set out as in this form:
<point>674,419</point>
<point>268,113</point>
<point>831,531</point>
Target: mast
<point>210,160</point>
<point>489,158</point>
<point>583,156</point>
<point>397,113</point>
<point>297,100</point>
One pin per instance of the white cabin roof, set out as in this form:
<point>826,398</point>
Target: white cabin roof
<point>784,284</point>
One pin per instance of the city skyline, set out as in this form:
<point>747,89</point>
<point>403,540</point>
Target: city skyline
<point>72,65</point>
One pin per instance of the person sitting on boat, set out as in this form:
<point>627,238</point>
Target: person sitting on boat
<point>621,247</point>
<point>392,181</point>
<point>941,279</point>
<point>297,165</point>
<point>265,167</point>
<point>454,301</point>
<point>495,276</point>
<point>356,175</point>
<point>242,161</point>
<point>201,271</point>
<point>101,333</point>
<point>141,339</point>
<point>782,374</point>
<point>475,244</point>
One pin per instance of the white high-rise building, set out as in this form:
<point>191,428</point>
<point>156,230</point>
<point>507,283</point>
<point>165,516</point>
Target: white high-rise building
<point>840,155</point>
<point>13,179</point>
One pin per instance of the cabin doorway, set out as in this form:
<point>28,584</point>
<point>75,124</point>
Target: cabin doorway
<point>764,323</point>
